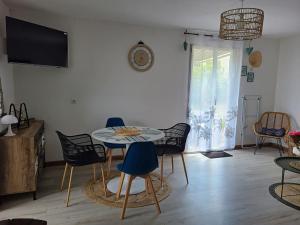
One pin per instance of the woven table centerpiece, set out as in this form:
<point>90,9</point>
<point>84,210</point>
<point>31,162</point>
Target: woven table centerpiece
<point>128,131</point>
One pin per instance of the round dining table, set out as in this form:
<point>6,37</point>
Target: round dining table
<point>109,135</point>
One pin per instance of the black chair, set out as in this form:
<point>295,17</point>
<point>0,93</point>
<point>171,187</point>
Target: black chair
<point>173,144</point>
<point>79,150</point>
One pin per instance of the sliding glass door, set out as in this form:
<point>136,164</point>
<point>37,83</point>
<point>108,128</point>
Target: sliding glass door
<point>213,97</point>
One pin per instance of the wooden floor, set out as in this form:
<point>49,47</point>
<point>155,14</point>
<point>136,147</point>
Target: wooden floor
<point>225,191</point>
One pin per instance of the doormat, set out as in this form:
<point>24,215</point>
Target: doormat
<point>216,154</point>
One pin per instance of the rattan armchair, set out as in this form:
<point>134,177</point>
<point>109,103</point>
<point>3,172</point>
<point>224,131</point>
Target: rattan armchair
<point>274,125</point>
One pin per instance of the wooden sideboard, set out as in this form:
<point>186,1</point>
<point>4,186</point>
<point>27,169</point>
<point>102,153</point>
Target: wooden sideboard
<point>22,158</point>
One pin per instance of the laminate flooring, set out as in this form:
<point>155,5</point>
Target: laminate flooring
<point>222,191</point>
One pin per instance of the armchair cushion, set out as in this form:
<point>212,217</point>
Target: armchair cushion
<point>273,132</point>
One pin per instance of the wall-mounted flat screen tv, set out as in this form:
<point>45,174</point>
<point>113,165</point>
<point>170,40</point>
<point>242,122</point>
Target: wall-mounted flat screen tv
<point>34,44</point>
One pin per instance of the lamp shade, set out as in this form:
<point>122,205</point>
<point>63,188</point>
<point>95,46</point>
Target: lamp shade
<point>9,119</point>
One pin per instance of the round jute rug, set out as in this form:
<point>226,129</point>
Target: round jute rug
<point>95,192</point>
<point>291,194</point>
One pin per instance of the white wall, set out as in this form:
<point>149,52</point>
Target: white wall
<point>101,80</point>
<point>288,80</point>
<point>264,83</point>
<point>6,71</point>
<point>104,85</point>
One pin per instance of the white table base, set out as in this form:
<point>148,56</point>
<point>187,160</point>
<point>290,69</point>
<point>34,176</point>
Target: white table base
<point>137,185</point>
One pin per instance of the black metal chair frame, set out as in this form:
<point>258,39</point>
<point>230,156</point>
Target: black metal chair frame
<point>174,140</point>
<point>79,150</point>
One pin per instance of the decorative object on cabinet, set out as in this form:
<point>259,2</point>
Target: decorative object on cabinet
<point>9,120</point>
<point>244,71</point>
<point>141,57</point>
<point>23,116</point>
<point>22,158</point>
<point>255,59</point>
<point>250,76</point>
<point>12,108</point>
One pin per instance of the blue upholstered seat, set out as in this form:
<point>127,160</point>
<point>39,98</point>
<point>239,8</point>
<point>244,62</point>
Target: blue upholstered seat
<point>140,159</point>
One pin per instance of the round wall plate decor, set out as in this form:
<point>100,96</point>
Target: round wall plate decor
<point>141,57</point>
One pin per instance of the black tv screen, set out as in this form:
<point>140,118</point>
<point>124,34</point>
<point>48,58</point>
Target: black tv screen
<point>34,44</point>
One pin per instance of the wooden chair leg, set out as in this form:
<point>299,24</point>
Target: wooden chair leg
<point>147,186</point>
<point>126,196</point>
<point>103,180</point>
<point>109,154</point>
<point>162,171</point>
<point>69,187</point>
<point>172,163</point>
<point>186,176</point>
<point>153,193</point>
<point>123,153</point>
<point>121,181</point>
<point>63,178</point>
<point>94,172</point>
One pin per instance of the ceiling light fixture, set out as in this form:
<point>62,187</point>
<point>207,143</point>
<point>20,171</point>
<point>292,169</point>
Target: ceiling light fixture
<point>241,24</point>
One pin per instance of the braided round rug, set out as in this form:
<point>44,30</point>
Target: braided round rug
<point>95,192</point>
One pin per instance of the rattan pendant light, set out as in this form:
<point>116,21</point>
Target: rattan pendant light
<point>241,24</point>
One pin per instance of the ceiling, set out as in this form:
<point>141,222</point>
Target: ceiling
<point>282,17</point>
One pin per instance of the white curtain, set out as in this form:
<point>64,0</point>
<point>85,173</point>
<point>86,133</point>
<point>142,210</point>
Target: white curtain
<point>213,94</point>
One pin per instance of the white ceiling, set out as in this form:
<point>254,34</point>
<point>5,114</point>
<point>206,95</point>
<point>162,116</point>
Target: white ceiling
<point>282,17</point>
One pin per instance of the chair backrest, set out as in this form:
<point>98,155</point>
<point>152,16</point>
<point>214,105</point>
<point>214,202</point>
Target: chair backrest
<point>73,147</point>
<point>115,122</point>
<point>180,132</point>
<point>276,120</point>
<point>140,159</point>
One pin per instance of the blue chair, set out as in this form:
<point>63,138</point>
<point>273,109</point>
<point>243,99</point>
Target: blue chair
<point>140,161</point>
<point>113,122</point>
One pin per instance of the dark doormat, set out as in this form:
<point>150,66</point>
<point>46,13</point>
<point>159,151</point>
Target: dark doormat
<point>216,154</point>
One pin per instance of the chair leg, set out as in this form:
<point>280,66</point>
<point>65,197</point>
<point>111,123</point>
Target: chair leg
<point>126,196</point>
<point>259,144</point>
<point>147,186</point>
<point>172,164</point>
<point>153,193</point>
<point>94,172</point>
<point>69,187</point>
<point>121,181</point>
<point>63,178</point>
<point>162,171</point>
<point>123,153</point>
<point>280,148</point>
<point>186,176</point>
<point>103,180</point>
<point>109,153</point>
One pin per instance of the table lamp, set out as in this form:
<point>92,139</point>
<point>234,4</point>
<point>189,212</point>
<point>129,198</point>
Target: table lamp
<point>9,120</point>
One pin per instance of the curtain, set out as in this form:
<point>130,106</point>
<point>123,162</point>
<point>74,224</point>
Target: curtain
<point>213,94</point>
